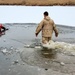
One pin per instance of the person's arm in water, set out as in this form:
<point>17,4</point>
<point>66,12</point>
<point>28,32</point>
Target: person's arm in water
<point>39,28</point>
<point>55,29</point>
<point>3,28</point>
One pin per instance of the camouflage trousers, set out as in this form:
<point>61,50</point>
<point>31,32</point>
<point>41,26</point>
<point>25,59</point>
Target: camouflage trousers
<point>45,39</point>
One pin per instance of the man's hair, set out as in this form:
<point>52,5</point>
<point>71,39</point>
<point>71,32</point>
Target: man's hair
<point>46,13</point>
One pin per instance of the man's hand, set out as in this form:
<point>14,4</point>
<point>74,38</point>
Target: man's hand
<point>36,34</point>
<point>56,34</point>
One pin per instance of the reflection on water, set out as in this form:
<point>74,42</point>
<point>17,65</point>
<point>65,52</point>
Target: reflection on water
<point>48,53</point>
<point>2,33</point>
<point>38,57</point>
<point>47,58</point>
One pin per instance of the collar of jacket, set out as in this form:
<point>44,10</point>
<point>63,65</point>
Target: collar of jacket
<point>47,18</point>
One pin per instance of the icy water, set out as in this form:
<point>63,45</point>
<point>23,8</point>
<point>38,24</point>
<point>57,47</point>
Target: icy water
<point>20,48</point>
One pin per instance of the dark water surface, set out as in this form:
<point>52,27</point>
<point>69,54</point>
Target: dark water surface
<point>16,59</point>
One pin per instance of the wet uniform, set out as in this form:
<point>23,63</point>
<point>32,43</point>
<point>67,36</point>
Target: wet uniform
<point>47,27</point>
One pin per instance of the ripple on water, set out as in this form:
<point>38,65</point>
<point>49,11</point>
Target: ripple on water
<point>50,59</point>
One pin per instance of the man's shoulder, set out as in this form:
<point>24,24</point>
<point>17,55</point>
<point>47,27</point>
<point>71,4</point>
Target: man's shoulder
<point>52,20</point>
<point>42,20</point>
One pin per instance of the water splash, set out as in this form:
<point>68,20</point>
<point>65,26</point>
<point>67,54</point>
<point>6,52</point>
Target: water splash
<point>59,45</point>
<point>53,45</point>
<point>51,56</point>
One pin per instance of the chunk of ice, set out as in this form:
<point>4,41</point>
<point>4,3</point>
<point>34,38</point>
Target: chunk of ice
<point>61,63</point>
<point>4,51</point>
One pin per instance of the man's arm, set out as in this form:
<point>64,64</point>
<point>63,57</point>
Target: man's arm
<point>3,28</point>
<point>55,29</point>
<point>39,28</point>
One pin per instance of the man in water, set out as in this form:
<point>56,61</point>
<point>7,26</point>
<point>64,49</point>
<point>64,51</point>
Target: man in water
<point>2,28</point>
<point>47,26</point>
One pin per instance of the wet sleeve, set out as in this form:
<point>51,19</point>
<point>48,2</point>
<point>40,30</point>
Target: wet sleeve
<point>3,28</point>
<point>39,28</point>
<point>54,28</point>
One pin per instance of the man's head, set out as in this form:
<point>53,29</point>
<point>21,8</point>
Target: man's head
<point>46,14</point>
